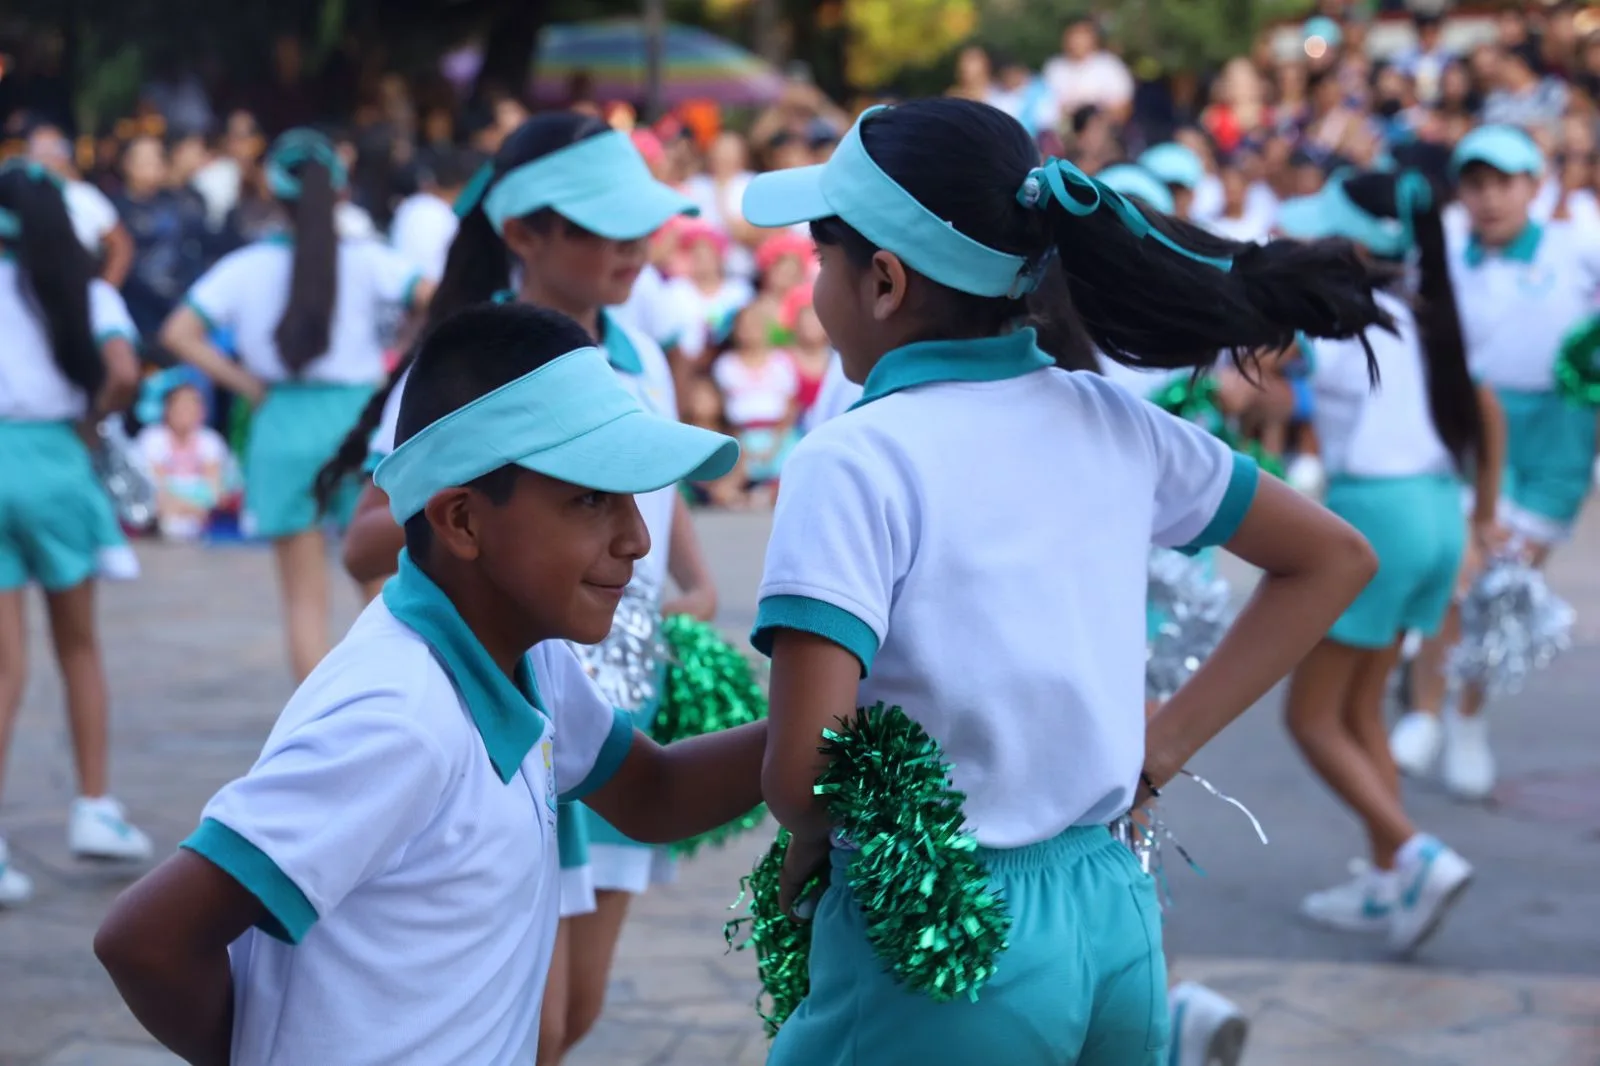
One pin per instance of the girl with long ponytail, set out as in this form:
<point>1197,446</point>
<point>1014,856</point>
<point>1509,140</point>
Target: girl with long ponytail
<point>560,219</point>
<point>1397,458</point>
<point>69,359</point>
<point>305,308</point>
<point>968,546</point>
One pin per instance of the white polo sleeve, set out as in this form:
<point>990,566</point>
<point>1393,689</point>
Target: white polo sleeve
<point>325,808</point>
<point>108,314</point>
<point>592,738</point>
<point>842,537</point>
<point>395,276</point>
<point>221,291</point>
<point>1203,488</point>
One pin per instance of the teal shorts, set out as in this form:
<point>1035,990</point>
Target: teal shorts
<point>1084,982</point>
<point>617,862</point>
<point>1550,452</point>
<point>293,433</point>
<point>55,515</point>
<point>1415,526</point>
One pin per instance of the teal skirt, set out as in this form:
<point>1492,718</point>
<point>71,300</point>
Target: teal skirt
<point>56,517</point>
<point>293,433</point>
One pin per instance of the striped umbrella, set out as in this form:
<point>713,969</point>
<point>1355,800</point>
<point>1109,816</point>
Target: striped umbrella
<point>695,65</point>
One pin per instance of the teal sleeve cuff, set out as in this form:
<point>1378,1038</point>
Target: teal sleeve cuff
<point>106,337</point>
<point>813,616</point>
<point>205,319</point>
<point>612,752</point>
<point>1308,354</point>
<point>289,914</point>
<point>408,297</point>
<point>372,461</point>
<point>1235,505</point>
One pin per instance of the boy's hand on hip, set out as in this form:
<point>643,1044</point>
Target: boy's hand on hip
<point>804,861</point>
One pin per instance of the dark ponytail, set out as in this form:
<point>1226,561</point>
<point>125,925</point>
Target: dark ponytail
<point>1139,301</point>
<point>477,268</point>
<point>54,271</point>
<point>1452,396</point>
<point>303,332</point>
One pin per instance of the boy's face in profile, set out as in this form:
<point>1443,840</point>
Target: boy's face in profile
<point>560,553</point>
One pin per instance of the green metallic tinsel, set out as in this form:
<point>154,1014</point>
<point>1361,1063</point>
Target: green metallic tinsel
<point>1578,363</point>
<point>782,944</point>
<point>930,915</point>
<point>709,686</point>
<point>1196,401</point>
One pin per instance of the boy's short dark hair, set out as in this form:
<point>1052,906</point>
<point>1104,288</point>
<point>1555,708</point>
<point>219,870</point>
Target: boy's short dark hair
<point>469,355</point>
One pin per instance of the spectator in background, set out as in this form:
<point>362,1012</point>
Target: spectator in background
<point>1240,219</point>
<point>719,191</point>
<point>1521,96</point>
<point>1085,74</point>
<point>425,222</point>
<point>94,219</point>
<point>1238,108</point>
<point>1023,95</point>
<point>1425,61</point>
<point>237,152</point>
<point>188,462</point>
<point>1588,78</point>
<point>1093,145</point>
<point>760,392</point>
<point>180,98</point>
<point>1558,43</point>
<point>974,75</point>
<point>806,345</point>
<point>714,297</point>
<point>1394,106</point>
<point>167,222</point>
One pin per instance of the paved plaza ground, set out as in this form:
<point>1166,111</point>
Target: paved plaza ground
<point>197,670</point>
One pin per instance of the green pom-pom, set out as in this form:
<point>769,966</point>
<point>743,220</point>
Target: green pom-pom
<point>930,915</point>
<point>709,686</point>
<point>1198,402</point>
<point>1578,363</point>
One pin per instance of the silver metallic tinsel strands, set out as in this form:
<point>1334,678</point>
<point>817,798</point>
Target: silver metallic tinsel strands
<point>1511,625</point>
<point>625,665</point>
<point>1190,604</point>
<point>125,482</point>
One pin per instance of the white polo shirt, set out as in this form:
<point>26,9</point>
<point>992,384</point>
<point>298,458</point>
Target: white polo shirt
<point>422,230</point>
<point>247,291</point>
<point>1517,303</point>
<point>1383,432</point>
<point>977,532</point>
<point>833,399</point>
<point>413,890</point>
<point>32,386</point>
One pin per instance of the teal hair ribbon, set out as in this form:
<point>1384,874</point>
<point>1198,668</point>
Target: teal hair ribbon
<point>1079,195</point>
<point>294,148</point>
<point>472,193</point>
<point>1413,194</point>
<point>10,225</point>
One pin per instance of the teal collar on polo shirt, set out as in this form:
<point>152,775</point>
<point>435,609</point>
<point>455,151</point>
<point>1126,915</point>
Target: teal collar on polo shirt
<point>1523,247</point>
<point>1010,355</point>
<point>508,713</point>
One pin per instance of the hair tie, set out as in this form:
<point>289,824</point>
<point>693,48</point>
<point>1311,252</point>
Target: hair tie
<point>472,192</point>
<point>294,148</point>
<point>1075,192</point>
<point>1413,194</point>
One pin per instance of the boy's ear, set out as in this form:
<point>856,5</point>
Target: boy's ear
<point>454,526</point>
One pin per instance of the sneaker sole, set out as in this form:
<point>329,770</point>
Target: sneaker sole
<point>1227,1043</point>
<point>1446,903</point>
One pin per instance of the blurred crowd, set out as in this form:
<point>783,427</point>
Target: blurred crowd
<point>167,190</point>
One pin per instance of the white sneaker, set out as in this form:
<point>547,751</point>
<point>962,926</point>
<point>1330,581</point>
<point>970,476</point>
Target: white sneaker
<point>1207,1029</point>
<point>1430,878</point>
<point>1468,768</point>
<point>1415,742</point>
<point>1306,476</point>
<point>1363,904</point>
<point>15,888</point>
<point>99,829</point>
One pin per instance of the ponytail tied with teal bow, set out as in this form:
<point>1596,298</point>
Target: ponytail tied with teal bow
<point>1080,195</point>
<point>1413,194</point>
<point>294,148</point>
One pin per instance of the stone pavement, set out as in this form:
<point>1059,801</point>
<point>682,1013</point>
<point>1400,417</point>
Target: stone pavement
<point>1514,980</point>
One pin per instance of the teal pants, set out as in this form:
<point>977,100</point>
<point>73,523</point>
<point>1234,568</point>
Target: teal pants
<point>1550,450</point>
<point>55,515</point>
<point>1416,528</point>
<point>293,433</point>
<point>1083,983</point>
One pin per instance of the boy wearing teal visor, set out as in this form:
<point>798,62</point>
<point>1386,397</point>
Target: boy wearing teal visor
<point>563,214</point>
<point>401,820</point>
<point>970,541</point>
<point>1523,286</point>
<point>1396,460</point>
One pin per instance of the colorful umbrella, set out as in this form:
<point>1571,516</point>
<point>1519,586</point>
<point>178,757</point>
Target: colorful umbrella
<point>695,65</point>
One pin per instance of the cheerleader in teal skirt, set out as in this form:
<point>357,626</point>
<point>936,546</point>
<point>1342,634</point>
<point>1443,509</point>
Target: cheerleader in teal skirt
<point>305,307</point>
<point>69,360</point>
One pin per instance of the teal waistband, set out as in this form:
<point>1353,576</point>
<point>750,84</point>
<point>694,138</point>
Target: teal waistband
<point>19,427</point>
<point>320,386</point>
<point>1070,844</point>
<point>1350,480</point>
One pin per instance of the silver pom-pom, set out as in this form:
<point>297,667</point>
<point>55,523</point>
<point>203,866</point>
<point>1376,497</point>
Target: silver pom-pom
<point>1190,604</point>
<point>131,491</point>
<point>625,665</point>
<point>1511,625</point>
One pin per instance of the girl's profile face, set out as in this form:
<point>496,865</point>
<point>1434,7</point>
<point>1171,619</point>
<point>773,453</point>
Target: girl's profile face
<point>1497,203</point>
<point>584,270</point>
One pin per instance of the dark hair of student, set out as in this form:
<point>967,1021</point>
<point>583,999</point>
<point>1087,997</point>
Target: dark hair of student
<point>1452,397</point>
<point>469,355</point>
<point>1140,302</point>
<point>303,332</point>
<point>478,267</point>
<point>54,272</point>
